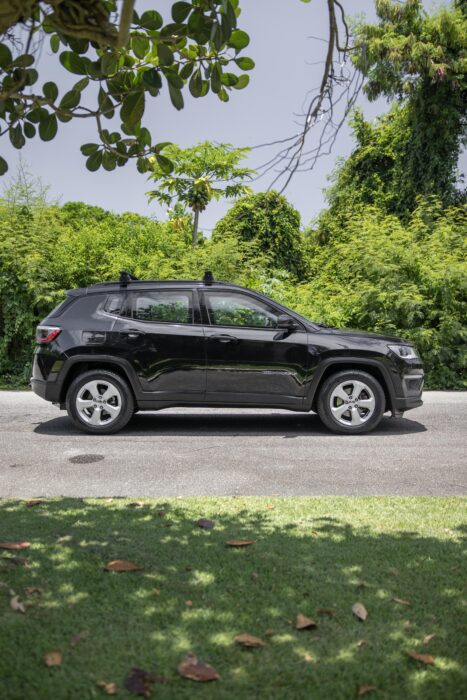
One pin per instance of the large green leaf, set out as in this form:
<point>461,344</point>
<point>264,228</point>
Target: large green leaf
<point>165,55</point>
<point>196,84</point>
<point>176,97</point>
<point>140,46</point>
<point>94,162</point>
<point>151,20</point>
<point>70,100</point>
<point>48,127</point>
<point>50,91</point>
<point>73,63</point>
<point>3,166</point>
<point>180,11</point>
<point>5,56</point>
<point>239,39</point>
<point>152,78</point>
<point>87,149</point>
<point>132,108</point>
<point>16,136</point>
<point>243,81</point>
<point>164,164</point>
<point>245,63</point>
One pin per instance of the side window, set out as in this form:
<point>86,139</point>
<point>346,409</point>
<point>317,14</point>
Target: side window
<point>163,307</point>
<point>235,309</point>
<point>114,304</point>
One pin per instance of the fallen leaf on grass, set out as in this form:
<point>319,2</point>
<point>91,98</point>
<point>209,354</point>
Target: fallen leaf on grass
<point>326,611</point>
<point>364,689</point>
<point>121,565</point>
<point>17,605</point>
<point>424,658</point>
<point>361,643</point>
<point>407,625</point>
<point>30,590</point>
<point>304,623</point>
<point>401,601</point>
<point>269,506</point>
<point>428,638</point>
<point>190,667</point>
<point>109,688</point>
<point>247,640</point>
<point>137,504</point>
<point>14,545</point>
<point>77,638</point>
<point>138,682</point>
<point>308,658</point>
<point>239,543</point>
<point>31,503</point>
<point>393,571</point>
<point>360,611</point>
<point>269,632</point>
<point>205,524</point>
<point>17,561</point>
<point>53,658</point>
<point>189,603</point>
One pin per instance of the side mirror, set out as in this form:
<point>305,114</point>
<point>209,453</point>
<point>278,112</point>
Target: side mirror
<point>286,323</point>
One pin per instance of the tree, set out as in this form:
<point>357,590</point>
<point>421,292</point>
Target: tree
<point>200,174</point>
<point>128,58</point>
<point>419,60</point>
<point>407,55</point>
<point>269,221</point>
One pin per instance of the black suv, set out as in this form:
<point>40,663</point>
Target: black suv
<point>115,348</point>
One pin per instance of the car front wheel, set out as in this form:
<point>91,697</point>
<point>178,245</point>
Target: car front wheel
<point>351,402</point>
<point>99,402</point>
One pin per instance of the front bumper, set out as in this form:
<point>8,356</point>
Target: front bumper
<point>411,389</point>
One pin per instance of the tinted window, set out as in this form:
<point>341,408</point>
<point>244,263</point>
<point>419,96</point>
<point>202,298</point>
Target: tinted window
<point>233,309</point>
<point>114,304</point>
<point>163,307</point>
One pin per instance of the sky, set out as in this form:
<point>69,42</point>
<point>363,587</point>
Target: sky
<point>284,53</point>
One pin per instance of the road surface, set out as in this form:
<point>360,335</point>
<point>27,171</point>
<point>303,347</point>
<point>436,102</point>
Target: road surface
<point>183,452</point>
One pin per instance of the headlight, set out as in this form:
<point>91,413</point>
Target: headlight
<point>407,352</point>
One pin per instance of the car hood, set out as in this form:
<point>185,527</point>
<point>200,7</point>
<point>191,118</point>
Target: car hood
<point>350,334</point>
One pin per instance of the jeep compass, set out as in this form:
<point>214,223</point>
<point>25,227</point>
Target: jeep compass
<point>115,348</point>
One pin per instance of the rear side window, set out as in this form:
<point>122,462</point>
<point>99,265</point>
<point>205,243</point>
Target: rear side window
<point>163,307</point>
<point>114,304</point>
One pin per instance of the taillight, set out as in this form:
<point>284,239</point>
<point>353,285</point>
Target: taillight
<point>45,334</point>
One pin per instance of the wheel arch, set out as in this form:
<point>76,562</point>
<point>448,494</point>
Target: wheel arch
<point>78,365</point>
<point>374,368</point>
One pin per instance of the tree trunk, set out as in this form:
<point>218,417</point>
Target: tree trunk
<point>194,235</point>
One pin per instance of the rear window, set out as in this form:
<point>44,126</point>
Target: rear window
<point>61,307</point>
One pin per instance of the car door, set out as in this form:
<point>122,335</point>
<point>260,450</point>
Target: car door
<point>248,359</point>
<point>163,339</point>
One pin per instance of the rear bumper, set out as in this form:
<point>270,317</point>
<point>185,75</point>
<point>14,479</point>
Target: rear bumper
<point>47,390</point>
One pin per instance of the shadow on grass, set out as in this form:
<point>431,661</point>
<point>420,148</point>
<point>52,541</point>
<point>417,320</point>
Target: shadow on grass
<point>225,423</point>
<point>308,554</point>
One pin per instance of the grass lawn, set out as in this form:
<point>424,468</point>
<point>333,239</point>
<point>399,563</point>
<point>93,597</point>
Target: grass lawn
<point>193,593</point>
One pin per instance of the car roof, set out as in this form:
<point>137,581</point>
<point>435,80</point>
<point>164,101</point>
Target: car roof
<point>149,284</point>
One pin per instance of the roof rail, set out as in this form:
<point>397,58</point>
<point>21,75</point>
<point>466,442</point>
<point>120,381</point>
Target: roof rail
<point>208,278</point>
<point>125,278</point>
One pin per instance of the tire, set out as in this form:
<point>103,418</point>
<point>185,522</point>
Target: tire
<point>344,411</point>
<point>90,411</point>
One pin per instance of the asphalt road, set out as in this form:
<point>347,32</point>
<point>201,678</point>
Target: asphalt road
<point>182,452</point>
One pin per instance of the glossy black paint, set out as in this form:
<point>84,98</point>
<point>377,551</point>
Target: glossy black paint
<point>176,364</point>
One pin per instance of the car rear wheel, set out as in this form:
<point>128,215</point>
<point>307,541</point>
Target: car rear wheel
<point>351,402</point>
<point>99,402</point>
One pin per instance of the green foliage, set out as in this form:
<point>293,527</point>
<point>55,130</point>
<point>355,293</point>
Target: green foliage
<point>378,274</point>
<point>129,62</point>
<point>271,224</point>
<point>198,175</point>
<point>421,60</point>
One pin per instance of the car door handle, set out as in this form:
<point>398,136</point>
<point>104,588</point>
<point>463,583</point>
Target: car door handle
<point>224,338</point>
<point>133,333</point>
